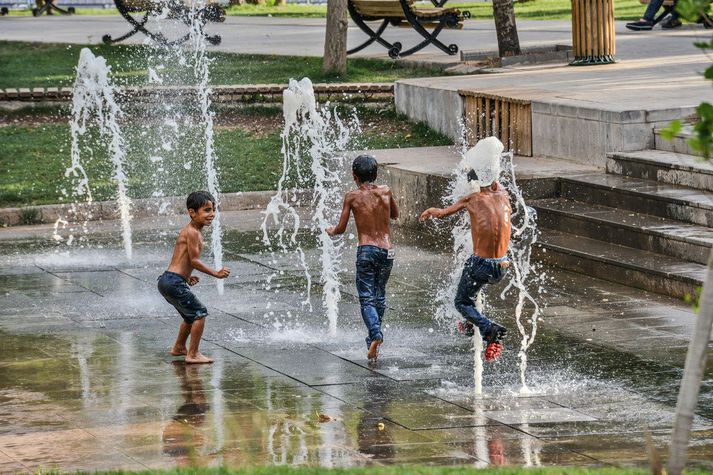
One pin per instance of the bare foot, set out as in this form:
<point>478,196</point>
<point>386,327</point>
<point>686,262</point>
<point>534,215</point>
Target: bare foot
<point>198,359</point>
<point>374,349</point>
<point>177,351</point>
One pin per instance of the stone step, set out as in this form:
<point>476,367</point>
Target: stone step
<point>666,167</point>
<point>679,144</point>
<point>633,267</point>
<point>642,196</point>
<point>685,241</point>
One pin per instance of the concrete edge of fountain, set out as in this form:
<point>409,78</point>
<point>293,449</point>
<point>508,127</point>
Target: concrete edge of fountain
<point>11,98</point>
<point>564,124</point>
<point>141,208</point>
<point>419,177</point>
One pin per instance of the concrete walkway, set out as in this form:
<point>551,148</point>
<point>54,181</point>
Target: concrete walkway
<point>87,382</point>
<point>281,36</point>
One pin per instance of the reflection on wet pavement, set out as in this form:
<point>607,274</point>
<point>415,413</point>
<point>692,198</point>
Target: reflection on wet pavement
<point>86,381</point>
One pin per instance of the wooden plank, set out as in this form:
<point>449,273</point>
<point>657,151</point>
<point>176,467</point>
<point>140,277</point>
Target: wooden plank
<point>488,118</point>
<point>515,130</point>
<point>527,132</point>
<point>575,24</point>
<point>576,28</point>
<point>587,28</point>
<point>469,119</point>
<point>506,125</point>
<point>612,30</point>
<point>481,118</point>
<point>601,24</point>
<point>496,119</point>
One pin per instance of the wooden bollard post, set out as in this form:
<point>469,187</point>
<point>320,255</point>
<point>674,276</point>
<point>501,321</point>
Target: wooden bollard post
<point>593,34</point>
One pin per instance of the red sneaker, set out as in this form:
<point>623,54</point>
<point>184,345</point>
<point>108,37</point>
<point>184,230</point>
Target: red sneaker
<point>493,351</point>
<point>466,328</point>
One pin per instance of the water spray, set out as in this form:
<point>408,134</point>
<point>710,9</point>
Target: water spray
<point>93,100</point>
<point>314,140</point>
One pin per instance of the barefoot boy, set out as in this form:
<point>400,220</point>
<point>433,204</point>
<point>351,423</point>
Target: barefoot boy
<point>373,206</point>
<point>489,208</point>
<point>173,284</point>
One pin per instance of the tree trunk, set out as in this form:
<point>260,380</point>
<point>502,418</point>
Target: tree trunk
<point>505,27</point>
<point>335,40</point>
<point>692,375</point>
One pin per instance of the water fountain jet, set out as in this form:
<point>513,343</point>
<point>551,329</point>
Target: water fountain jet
<point>314,140</point>
<point>94,98</point>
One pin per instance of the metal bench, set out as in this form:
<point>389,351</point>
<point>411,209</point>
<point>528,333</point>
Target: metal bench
<point>138,13</point>
<point>405,13</point>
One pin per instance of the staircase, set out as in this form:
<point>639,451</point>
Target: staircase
<point>646,223</point>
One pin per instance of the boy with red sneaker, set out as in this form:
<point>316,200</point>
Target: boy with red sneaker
<point>489,208</point>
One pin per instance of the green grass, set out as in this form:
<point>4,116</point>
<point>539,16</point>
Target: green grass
<point>54,65</point>
<point>35,157</point>
<point>533,9</point>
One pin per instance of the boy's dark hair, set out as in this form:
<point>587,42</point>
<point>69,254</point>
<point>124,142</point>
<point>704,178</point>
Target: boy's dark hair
<point>365,167</point>
<point>198,198</point>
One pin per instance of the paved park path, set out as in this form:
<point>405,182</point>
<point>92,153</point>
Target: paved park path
<point>87,382</point>
<point>305,36</point>
<point>281,36</point>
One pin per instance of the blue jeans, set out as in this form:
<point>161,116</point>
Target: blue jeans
<point>653,7</point>
<point>373,268</point>
<point>477,272</point>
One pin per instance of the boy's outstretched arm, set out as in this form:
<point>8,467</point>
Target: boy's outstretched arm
<point>392,205</point>
<point>343,219</point>
<point>194,254</point>
<point>442,213</point>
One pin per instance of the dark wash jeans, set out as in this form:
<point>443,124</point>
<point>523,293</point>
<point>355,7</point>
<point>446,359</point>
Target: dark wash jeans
<point>373,268</point>
<point>653,8</point>
<point>477,272</point>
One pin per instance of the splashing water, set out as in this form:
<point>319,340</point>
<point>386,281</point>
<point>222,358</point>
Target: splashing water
<point>201,65</point>
<point>524,274</point>
<point>521,276</point>
<point>314,140</point>
<point>93,99</point>
<point>174,132</point>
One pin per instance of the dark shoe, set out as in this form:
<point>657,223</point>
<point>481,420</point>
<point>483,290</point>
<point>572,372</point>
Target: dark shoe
<point>466,327</point>
<point>495,333</point>
<point>670,24</point>
<point>640,25</point>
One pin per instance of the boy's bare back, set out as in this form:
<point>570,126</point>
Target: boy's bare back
<point>489,212</point>
<point>373,207</point>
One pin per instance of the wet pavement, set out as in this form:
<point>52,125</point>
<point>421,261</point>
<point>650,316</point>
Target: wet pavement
<point>86,381</point>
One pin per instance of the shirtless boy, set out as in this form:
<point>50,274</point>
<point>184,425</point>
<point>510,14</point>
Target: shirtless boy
<point>373,207</point>
<point>174,283</point>
<point>489,210</point>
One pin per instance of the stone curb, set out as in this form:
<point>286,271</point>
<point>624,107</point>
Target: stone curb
<point>141,208</point>
<point>361,92</point>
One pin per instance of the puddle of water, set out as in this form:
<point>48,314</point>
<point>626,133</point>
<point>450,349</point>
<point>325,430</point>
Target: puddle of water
<point>107,370</point>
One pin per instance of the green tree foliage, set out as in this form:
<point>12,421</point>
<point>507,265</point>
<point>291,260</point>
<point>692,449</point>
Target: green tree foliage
<point>702,140</point>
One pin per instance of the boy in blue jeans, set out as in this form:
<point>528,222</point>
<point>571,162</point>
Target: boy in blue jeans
<point>488,205</point>
<point>373,207</point>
